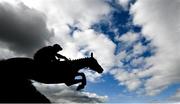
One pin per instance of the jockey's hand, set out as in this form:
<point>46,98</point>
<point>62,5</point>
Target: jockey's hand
<point>66,59</point>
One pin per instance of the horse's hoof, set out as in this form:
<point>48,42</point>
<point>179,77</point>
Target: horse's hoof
<point>80,87</point>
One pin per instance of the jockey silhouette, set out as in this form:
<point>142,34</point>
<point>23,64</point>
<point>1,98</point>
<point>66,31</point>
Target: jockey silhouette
<point>48,54</point>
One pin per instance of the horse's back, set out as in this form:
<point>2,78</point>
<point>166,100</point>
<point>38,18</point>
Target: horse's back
<point>16,67</point>
<point>18,61</point>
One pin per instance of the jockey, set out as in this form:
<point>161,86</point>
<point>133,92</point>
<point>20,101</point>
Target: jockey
<point>48,54</point>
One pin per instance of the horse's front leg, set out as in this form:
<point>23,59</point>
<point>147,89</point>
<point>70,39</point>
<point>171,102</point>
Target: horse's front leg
<point>75,81</point>
<point>83,81</point>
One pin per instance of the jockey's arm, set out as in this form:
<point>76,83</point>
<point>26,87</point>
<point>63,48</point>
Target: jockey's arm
<point>61,56</point>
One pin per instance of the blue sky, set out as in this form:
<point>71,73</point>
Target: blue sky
<point>135,41</point>
<point>121,20</point>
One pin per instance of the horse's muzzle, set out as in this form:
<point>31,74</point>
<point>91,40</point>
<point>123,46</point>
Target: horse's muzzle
<point>100,71</point>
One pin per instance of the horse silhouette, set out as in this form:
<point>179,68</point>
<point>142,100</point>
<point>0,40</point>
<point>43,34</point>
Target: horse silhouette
<point>17,73</point>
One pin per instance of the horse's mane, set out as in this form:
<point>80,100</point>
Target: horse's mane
<point>81,59</point>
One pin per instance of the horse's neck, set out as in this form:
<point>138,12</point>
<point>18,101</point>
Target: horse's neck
<point>81,63</point>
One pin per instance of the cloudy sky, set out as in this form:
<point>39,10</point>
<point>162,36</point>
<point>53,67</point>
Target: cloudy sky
<point>135,41</point>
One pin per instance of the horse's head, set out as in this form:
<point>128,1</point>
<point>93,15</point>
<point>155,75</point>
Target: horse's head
<point>95,65</point>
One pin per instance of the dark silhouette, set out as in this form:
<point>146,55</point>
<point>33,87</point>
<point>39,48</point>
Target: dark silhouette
<point>16,74</point>
<point>49,54</point>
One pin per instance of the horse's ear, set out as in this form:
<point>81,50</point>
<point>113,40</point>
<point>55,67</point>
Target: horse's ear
<point>91,55</point>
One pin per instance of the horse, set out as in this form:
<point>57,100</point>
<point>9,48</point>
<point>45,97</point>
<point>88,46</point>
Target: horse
<point>19,71</point>
<point>66,71</point>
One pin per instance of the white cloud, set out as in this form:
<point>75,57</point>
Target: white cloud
<point>130,77</point>
<point>6,53</point>
<point>121,55</point>
<point>130,80</point>
<point>176,96</point>
<point>128,37</point>
<point>139,49</point>
<point>160,22</point>
<point>137,61</point>
<point>60,93</point>
<point>127,40</point>
<point>124,3</point>
<point>80,12</point>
